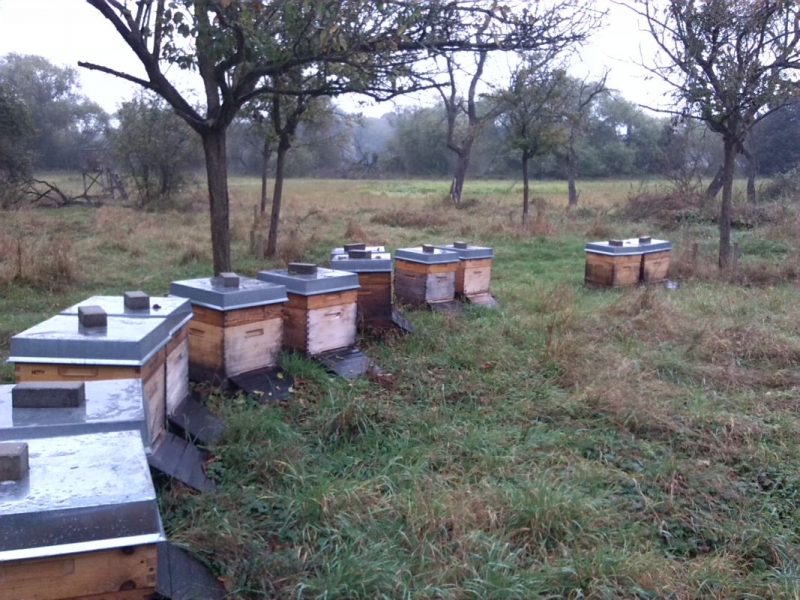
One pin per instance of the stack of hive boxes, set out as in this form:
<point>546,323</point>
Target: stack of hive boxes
<point>619,263</point>
<point>320,315</point>
<point>373,265</point>
<point>237,325</point>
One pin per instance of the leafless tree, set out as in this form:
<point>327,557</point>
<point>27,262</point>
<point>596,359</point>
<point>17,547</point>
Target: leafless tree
<point>731,63</point>
<point>239,49</point>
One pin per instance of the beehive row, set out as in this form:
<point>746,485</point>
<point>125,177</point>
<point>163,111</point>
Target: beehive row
<point>422,275</point>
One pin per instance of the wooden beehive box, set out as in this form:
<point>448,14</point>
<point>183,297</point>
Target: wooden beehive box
<point>474,274</point>
<point>374,270</point>
<point>91,346</point>
<point>321,312</point>
<point>655,259</point>
<point>79,520</point>
<point>177,312</point>
<point>619,263</point>
<point>425,275</point>
<point>237,325</point>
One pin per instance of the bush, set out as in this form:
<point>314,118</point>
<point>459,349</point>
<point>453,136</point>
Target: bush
<point>155,148</point>
<point>784,186</point>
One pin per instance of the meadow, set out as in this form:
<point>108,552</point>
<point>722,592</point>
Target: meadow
<point>578,443</point>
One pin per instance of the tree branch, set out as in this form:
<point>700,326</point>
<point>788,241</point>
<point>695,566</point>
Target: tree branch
<point>108,70</point>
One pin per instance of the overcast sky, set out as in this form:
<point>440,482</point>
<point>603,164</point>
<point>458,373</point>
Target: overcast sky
<point>66,31</point>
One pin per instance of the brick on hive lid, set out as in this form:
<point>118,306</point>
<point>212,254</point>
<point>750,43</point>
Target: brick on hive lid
<point>92,317</point>
<point>48,394</point>
<point>136,300</point>
<point>13,461</point>
<point>299,268</point>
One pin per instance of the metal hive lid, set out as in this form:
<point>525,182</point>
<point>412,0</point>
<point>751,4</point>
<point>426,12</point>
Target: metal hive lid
<point>112,405</point>
<point>174,310</point>
<point>468,251</point>
<point>125,341</point>
<point>417,254</point>
<point>379,262</point>
<point>211,293</point>
<point>343,250</point>
<point>82,493</point>
<point>628,247</point>
<point>322,281</point>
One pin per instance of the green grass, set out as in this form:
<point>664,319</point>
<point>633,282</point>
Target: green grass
<point>578,443</point>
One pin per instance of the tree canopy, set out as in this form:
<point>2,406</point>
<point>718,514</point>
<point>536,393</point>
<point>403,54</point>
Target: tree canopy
<point>731,63</point>
<point>239,50</point>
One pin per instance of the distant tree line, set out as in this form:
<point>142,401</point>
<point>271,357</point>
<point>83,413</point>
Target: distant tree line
<point>56,127</point>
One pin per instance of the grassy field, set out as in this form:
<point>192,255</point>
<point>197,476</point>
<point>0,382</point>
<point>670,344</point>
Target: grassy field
<point>576,444</point>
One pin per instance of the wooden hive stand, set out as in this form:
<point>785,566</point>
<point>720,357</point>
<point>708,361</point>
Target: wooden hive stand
<point>320,315</point>
<point>425,275</point>
<point>237,325</point>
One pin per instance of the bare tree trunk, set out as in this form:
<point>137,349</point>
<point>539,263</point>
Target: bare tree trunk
<point>457,186</point>
<point>752,171</point>
<point>525,190</point>
<point>725,207</point>
<point>571,175</point>
<point>277,196</point>
<point>217,174</point>
<point>266,152</point>
<point>716,184</point>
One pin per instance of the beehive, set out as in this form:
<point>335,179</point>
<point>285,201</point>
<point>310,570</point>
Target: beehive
<point>52,409</point>
<point>237,325</point>
<point>177,312</point>
<point>321,312</point>
<point>82,520</point>
<point>374,270</point>
<point>425,275</point>
<point>81,348</point>
<point>655,259</point>
<point>357,246</point>
<point>474,274</point>
<point>619,263</point>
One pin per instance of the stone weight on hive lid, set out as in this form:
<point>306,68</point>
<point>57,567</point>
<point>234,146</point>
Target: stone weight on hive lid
<point>321,311</point>
<point>474,274</point>
<point>626,262</point>
<point>91,346</point>
<point>237,326</point>
<point>374,270</point>
<point>425,275</point>
<point>78,518</point>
